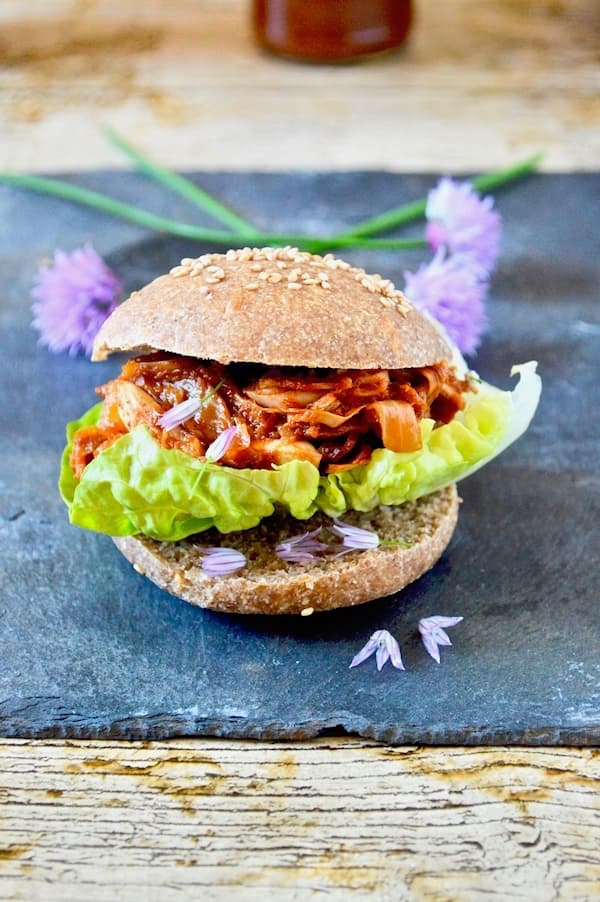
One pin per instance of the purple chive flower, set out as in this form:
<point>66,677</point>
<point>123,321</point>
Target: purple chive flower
<point>355,538</point>
<point>433,633</point>
<point>179,413</point>
<point>463,222</point>
<point>185,410</point>
<point>73,296</point>
<point>221,444</point>
<point>221,561</point>
<point>305,547</point>
<point>452,289</point>
<point>385,647</point>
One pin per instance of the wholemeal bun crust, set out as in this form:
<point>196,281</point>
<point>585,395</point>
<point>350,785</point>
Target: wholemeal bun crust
<point>275,306</point>
<point>268,585</point>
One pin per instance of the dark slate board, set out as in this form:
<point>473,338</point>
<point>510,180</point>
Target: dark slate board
<point>88,648</point>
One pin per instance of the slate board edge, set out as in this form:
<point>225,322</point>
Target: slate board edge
<point>22,721</point>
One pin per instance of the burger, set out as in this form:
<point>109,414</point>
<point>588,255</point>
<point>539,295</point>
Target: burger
<point>287,436</point>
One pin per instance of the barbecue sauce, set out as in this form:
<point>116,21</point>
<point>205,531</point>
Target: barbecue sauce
<point>332,418</point>
<point>331,30</point>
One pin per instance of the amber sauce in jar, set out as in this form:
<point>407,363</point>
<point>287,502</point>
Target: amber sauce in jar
<point>331,30</point>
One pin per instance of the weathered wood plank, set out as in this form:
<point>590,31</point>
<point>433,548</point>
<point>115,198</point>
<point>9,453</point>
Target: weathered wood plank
<point>479,85</point>
<point>208,818</point>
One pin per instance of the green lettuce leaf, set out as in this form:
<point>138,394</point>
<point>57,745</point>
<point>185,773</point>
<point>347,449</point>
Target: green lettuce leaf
<point>447,453</point>
<point>490,422</point>
<point>135,486</point>
<point>67,484</point>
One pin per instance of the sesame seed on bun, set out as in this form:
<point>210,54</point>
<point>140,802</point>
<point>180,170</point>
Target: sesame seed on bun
<point>275,306</point>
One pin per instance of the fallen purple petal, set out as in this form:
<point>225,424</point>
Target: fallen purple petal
<point>441,636</point>
<point>354,537</point>
<point>433,634</point>
<point>385,647</point>
<point>221,561</point>
<point>393,650</point>
<point>381,654</point>
<point>305,547</point>
<point>185,410</point>
<point>73,294</point>
<point>431,646</point>
<point>217,449</point>
<point>179,413</point>
<point>440,620</point>
<point>367,650</point>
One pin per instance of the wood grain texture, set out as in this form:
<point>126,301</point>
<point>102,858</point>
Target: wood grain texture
<point>479,85</point>
<point>213,819</point>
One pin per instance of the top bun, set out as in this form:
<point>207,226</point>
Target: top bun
<point>276,306</point>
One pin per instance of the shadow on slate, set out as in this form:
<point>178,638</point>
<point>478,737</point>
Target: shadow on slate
<point>89,648</point>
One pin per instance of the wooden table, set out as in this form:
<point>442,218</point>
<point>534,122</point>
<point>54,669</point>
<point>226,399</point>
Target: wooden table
<point>479,86</point>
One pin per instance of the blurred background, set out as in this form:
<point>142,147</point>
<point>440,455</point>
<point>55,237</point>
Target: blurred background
<point>477,85</point>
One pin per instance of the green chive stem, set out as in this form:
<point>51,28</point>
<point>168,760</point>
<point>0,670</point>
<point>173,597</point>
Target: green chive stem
<point>493,180</point>
<point>114,207</point>
<point>111,205</point>
<point>411,212</point>
<point>182,186</point>
<point>210,394</point>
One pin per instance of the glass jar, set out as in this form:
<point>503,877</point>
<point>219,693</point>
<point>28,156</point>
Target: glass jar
<point>331,30</point>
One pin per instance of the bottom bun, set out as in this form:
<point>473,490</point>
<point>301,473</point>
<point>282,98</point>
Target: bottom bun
<point>268,585</point>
